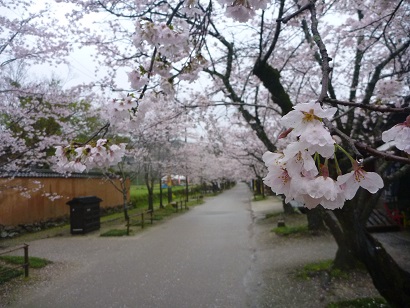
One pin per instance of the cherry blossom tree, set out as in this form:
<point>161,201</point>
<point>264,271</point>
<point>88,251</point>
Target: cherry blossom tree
<point>36,116</point>
<point>31,33</point>
<point>157,127</point>
<point>36,112</point>
<point>327,68</point>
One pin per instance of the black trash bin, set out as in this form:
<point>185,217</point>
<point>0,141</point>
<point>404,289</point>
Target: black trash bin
<point>84,214</point>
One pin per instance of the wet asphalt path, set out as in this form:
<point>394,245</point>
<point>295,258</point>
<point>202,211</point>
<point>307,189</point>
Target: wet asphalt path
<point>200,259</point>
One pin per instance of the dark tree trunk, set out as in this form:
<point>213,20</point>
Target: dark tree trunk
<point>315,221</point>
<point>263,189</point>
<point>161,205</point>
<point>150,199</point>
<point>356,244</point>
<point>150,187</point>
<point>345,258</point>
<point>270,78</point>
<point>287,208</point>
<point>125,208</point>
<point>186,189</point>
<point>169,194</point>
<point>258,189</point>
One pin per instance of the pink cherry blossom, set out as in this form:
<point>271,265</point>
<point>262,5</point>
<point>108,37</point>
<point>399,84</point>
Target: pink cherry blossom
<point>137,80</point>
<point>82,158</point>
<point>239,12</point>
<point>279,181</point>
<point>259,4</point>
<point>400,135</point>
<point>351,182</point>
<point>277,178</point>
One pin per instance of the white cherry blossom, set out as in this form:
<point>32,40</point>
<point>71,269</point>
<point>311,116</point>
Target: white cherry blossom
<point>272,159</point>
<point>323,187</point>
<point>299,161</point>
<point>337,203</point>
<point>317,139</point>
<point>306,115</point>
<point>312,191</point>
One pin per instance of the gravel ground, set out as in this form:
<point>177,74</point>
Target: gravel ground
<point>276,259</point>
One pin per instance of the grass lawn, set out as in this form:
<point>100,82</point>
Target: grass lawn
<point>11,266</point>
<point>139,194</point>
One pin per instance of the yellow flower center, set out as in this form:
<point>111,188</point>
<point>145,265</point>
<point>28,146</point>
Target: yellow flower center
<point>359,175</point>
<point>284,177</point>
<point>310,116</point>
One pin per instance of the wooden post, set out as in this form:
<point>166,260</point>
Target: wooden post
<point>26,261</point>
<point>142,220</point>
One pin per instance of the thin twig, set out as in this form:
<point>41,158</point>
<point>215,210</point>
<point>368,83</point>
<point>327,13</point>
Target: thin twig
<point>352,143</point>
<point>104,128</point>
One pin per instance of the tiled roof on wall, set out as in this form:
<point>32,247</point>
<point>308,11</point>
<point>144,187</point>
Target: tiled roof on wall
<point>48,174</point>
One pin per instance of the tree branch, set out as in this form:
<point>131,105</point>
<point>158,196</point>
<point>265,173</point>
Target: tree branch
<point>301,10</point>
<point>368,107</point>
<point>323,52</point>
<point>384,155</point>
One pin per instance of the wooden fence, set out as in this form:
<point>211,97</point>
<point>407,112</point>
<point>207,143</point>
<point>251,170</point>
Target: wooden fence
<point>25,265</point>
<point>16,209</point>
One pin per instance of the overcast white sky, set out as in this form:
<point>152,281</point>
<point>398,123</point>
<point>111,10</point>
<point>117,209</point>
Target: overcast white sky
<point>81,68</point>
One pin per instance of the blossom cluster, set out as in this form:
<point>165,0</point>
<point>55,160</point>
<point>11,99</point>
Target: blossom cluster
<point>172,44</point>
<point>298,172</point>
<point>170,40</point>
<point>122,109</point>
<point>75,158</point>
<point>243,10</point>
